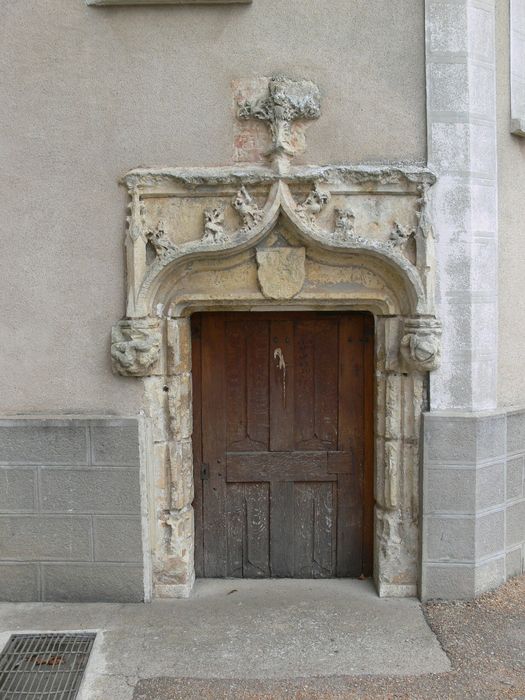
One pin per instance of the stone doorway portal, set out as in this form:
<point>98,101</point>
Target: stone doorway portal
<point>282,444</point>
<point>273,238</point>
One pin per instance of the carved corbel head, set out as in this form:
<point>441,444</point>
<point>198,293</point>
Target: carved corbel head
<point>135,347</point>
<point>421,344</point>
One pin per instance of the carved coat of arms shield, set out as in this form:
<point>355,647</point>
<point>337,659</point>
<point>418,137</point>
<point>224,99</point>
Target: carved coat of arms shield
<point>281,271</point>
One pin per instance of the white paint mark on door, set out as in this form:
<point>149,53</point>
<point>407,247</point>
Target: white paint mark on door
<point>281,365</point>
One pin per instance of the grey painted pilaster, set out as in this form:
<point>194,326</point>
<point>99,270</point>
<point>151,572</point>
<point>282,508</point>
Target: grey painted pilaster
<point>460,56</point>
<point>473,502</point>
<point>464,473</point>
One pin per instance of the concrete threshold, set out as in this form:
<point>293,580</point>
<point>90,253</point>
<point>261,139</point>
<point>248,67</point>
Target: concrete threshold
<point>243,629</point>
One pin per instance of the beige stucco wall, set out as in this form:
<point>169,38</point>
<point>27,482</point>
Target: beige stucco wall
<point>88,93</point>
<point>511,175</point>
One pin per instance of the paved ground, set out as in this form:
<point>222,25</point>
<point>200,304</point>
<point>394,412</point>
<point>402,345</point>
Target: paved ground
<point>263,634</point>
<point>485,641</point>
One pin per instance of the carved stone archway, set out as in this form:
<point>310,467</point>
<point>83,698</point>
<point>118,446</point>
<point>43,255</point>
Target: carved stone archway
<point>280,237</point>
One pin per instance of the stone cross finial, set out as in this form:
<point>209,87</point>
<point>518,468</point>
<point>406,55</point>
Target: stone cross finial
<point>287,101</point>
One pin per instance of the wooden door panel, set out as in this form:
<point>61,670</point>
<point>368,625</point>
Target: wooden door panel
<point>313,530</point>
<point>282,385</point>
<point>214,447</point>
<point>316,384</point>
<point>280,402</point>
<point>247,403</point>
<point>248,523</point>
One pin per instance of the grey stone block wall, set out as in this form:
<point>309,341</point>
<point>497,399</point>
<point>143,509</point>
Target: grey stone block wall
<point>515,493</point>
<point>473,529</point>
<point>70,513</point>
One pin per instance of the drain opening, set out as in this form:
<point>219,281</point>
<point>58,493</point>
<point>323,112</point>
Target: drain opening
<point>44,666</point>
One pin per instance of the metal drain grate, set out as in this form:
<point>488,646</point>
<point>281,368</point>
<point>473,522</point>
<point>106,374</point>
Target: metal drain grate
<point>44,666</point>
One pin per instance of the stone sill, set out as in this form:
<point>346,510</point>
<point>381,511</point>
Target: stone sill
<point>166,2</point>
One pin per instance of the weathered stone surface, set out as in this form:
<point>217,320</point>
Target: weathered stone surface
<point>514,562</point>
<point>281,272</point>
<point>115,442</point>
<point>516,431</point>
<point>490,534</point>
<point>179,345</point>
<point>17,489</point>
<point>180,406</point>
<point>135,346</point>
<point>43,441</point>
<point>93,582</point>
<point>515,524</point>
<point>181,462</point>
<point>515,477</point>
<point>285,102</point>
<point>420,346</point>
<point>155,407</point>
<point>19,583</point>
<point>117,539</point>
<point>45,537</point>
<point>490,486</point>
<point>89,490</point>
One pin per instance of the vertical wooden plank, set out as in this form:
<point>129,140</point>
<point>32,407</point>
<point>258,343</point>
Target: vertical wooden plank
<point>304,525</point>
<point>326,382</point>
<point>304,389</point>
<point>324,527</point>
<point>282,529</point>
<point>197,440</point>
<point>235,359</point>
<point>257,528</point>
<point>257,387</point>
<point>235,528</point>
<point>281,386</point>
<point>350,437</point>
<point>368,466</point>
<point>214,445</point>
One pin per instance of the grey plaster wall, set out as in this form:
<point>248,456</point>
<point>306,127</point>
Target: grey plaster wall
<point>88,93</point>
<point>473,534</point>
<point>70,514</point>
<point>511,172</point>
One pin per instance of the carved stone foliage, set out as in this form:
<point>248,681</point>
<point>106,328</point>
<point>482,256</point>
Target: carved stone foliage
<point>400,235</point>
<point>420,345</point>
<point>135,346</point>
<point>247,208</point>
<point>313,204</point>
<point>287,101</point>
<point>214,225</point>
<point>344,224</point>
<point>160,241</point>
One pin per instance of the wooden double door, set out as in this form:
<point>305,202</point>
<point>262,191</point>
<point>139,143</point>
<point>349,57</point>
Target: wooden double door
<point>282,444</point>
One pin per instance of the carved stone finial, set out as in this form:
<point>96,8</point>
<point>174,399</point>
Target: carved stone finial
<point>135,346</point>
<point>425,227</point>
<point>136,217</point>
<point>313,204</point>
<point>248,208</point>
<point>287,101</point>
<point>214,225</point>
<point>160,241</point>
<point>344,224</point>
<point>399,235</point>
<point>420,345</point>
